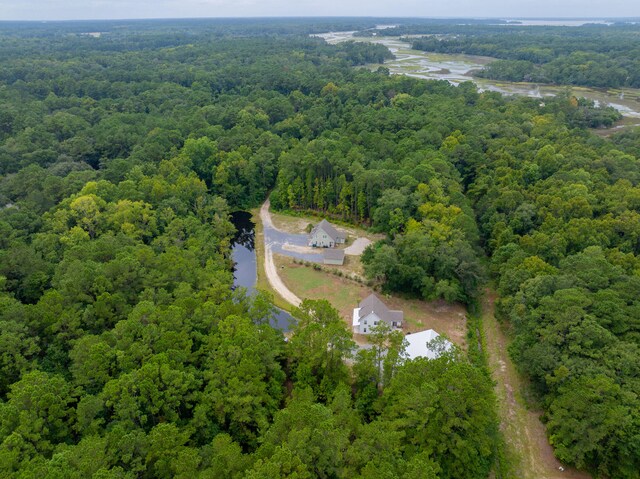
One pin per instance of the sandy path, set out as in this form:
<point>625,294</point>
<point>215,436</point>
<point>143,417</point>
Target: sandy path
<point>265,216</point>
<point>269,266</point>
<point>523,432</point>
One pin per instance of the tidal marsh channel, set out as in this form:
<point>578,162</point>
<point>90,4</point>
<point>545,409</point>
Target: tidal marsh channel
<point>459,68</point>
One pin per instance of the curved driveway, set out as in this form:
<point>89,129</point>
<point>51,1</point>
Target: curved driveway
<point>273,239</point>
<point>278,240</point>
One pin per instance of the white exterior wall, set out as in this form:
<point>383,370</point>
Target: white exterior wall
<point>368,322</point>
<point>355,322</point>
<point>321,239</point>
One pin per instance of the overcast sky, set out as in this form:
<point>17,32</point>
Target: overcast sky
<point>118,9</point>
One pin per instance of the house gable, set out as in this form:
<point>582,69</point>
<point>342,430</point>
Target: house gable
<point>325,235</point>
<point>371,311</point>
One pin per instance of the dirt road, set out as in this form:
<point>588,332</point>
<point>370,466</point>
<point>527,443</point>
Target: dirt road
<point>523,432</point>
<point>269,266</point>
<point>265,216</point>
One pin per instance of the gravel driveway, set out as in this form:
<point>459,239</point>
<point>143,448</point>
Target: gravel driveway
<point>270,246</point>
<point>357,247</point>
<point>279,240</point>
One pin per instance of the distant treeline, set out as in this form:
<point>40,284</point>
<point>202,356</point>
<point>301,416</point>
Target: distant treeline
<point>591,55</point>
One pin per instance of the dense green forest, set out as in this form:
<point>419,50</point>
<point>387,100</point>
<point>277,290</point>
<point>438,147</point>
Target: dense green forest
<point>124,351</point>
<point>591,55</point>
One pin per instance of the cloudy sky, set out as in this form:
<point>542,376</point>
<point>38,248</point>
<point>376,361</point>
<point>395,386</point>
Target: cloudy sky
<point>117,9</point>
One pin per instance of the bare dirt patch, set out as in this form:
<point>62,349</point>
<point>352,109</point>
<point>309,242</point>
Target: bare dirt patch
<point>291,224</point>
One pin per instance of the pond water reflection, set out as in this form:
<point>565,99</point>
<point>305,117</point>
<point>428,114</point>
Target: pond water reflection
<point>245,271</point>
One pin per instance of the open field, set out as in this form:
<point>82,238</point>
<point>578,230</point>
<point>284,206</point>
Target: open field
<point>345,294</point>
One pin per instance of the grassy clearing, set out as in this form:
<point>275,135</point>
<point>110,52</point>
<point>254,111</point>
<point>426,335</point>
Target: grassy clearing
<point>626,122</point>
<point>352,265</point>
<point>345,294</point>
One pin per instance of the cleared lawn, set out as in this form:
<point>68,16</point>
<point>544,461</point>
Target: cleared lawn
<point>345,294</point>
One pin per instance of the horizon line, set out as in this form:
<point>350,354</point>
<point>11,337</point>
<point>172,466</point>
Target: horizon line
<point>563,18</point>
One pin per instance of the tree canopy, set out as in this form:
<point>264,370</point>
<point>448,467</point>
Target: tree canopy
<point>124,350</point>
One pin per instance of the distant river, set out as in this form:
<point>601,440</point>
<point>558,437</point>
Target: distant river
<point>245,272</point>
<point>458,68</point>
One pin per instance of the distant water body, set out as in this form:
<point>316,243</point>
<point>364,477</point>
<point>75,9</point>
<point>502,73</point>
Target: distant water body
<point>459,68</point>
<point>555,22</point>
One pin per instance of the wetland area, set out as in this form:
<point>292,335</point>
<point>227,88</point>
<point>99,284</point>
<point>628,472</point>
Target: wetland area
<point>459,68</point>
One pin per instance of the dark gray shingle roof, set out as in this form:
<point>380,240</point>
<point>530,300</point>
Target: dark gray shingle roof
<point>329,229</point>
<point>373,304</point>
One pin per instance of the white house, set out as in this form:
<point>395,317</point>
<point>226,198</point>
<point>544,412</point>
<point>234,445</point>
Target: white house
<point>371,311</point>
<point>421,345</point>
<point>324,235</point>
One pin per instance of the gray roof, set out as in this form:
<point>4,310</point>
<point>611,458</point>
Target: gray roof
<point>335,254</point>
<point>329,229</point>
<point>372,304</point>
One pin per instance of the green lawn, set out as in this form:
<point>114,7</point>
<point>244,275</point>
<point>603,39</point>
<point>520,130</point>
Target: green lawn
<point>345,294</point>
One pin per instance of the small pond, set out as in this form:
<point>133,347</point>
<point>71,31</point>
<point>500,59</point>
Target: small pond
<point>245,272</point>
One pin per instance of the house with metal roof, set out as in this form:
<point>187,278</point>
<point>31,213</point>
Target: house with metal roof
<point>325,235</point>
<point>371,311</point>
<point>424,345</point>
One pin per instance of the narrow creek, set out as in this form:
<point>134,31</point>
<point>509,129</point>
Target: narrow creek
<point>245,272</point>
